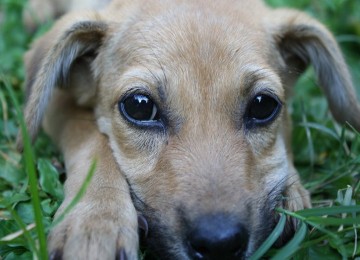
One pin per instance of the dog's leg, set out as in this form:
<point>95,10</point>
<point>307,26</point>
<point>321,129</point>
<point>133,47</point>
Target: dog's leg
<point>103,224</point>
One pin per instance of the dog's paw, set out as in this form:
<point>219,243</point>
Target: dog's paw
<point>296,197</point>
<point>93,232</point>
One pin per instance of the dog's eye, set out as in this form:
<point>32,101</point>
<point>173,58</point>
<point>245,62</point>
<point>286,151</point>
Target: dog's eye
<point>141,111</point>
<point>139,108</point>
<point>262,109</point>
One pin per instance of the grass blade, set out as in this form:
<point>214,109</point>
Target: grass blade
<point>335,237</point>
<point>19,233</point>
<point>334,221</point>
<point>78,196</point>
<point>308,137</point>
<point>30,166</point>
<point>24,229</point>
<point>290,248</point>
<point>328,211</point>
<point>321,128</point>
<point>271,239</point>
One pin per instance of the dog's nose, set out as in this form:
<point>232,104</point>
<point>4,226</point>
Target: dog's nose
<point>218,237</point>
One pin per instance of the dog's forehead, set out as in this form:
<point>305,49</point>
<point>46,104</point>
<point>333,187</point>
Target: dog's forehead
<point>194,49</point>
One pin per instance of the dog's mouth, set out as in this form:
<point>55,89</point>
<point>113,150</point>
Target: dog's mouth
<point>198,248</point>
<point>211,237</point>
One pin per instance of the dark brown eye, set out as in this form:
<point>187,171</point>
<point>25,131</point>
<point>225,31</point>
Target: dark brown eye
<point>140,110</point>
<point>262,110</point>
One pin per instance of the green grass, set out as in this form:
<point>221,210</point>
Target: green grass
<point>326,155</point>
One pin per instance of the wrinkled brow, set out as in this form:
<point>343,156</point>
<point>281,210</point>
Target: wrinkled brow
<point>254,76</point>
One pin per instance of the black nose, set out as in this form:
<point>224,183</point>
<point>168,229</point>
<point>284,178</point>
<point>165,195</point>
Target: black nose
<point>218,237</point>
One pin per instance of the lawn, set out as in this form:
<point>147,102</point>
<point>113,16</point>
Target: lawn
<point>327,155</point>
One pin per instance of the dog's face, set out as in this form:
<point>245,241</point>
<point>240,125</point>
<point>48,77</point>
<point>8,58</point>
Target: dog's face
<point>193,99</point>
<point>197,124</point>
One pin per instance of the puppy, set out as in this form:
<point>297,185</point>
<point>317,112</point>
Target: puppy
<point>183,105</point>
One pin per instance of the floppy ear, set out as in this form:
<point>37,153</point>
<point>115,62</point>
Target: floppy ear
<point>62,58</point>
<point>303,41</point>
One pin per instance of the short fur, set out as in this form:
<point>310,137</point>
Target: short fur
<point>202,62</point>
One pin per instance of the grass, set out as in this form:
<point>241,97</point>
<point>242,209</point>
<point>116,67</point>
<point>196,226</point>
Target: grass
<point>326,155</point>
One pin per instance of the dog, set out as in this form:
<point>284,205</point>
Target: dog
<point>182,104</point>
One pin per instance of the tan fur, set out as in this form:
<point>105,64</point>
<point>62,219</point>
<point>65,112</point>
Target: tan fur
<point>202,62</point>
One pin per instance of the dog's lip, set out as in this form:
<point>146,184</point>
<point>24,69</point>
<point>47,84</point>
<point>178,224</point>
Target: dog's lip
<point>143,226</point>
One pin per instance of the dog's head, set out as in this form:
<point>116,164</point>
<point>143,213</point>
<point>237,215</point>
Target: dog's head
<point>192,95</point>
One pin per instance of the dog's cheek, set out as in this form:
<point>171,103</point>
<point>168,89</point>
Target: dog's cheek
<point>271,160</point>
<point>270,172</point>
<point>136,151</point>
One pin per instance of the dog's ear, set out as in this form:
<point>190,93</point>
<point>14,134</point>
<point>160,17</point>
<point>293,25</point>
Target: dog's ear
<point>62,58</point>
<point>303,41</point>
